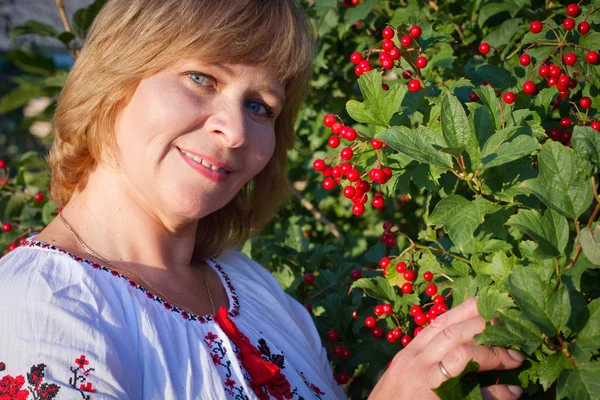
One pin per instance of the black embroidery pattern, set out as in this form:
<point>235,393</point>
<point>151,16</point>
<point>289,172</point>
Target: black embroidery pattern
<point>234,310</point>
<point>11,387</point>
<point>80,375</point>
<point>220,359</point>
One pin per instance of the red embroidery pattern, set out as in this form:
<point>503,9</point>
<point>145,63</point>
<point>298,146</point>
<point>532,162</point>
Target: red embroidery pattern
<point>11,387</point>
<point>80,375</point>
<point>233,312</point>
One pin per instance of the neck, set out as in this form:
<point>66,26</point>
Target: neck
<point>126,229</point>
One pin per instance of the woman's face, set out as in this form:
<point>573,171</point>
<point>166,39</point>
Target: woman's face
<point>193,134</point>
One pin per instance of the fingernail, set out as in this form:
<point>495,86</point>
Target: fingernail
<point>516,390</point>
<point>516,355</point>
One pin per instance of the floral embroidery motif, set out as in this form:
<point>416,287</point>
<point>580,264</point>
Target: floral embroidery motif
<point>80,375</point>
<point>11,387</point>
<point>233,312</point>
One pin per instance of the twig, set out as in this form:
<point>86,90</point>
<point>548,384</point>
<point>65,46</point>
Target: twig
<point>317,214</point>
<point>444,252</point>
<point>63,15</point>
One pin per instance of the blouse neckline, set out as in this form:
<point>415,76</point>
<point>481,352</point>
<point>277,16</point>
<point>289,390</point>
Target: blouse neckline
<point>234,305</point>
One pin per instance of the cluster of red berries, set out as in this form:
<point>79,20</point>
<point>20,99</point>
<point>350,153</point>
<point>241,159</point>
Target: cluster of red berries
<point>339,351</point>
<point>388,236</point>
<point>390,55</point>
<point>357,190</point>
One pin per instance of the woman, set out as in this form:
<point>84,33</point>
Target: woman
<point>170,150</point>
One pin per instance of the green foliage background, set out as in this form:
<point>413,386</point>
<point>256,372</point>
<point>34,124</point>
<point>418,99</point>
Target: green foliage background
<point>517,228</point>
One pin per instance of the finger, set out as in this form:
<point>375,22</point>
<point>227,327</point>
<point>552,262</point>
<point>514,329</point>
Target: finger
<point>452,336</point>
<point>488,358</point>
<point>501,392</point>
<point>465,311</point>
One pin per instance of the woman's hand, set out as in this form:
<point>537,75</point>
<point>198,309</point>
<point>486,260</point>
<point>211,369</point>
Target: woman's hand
<point>449,338</point>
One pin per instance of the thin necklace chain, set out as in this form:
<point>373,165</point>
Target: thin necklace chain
<point>140,276</point>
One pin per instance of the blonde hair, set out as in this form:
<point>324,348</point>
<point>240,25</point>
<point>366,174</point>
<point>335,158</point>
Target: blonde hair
<point>133,39</point>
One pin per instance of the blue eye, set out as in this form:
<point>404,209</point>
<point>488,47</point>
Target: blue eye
<point>200,79</point>
<point>260,108</point>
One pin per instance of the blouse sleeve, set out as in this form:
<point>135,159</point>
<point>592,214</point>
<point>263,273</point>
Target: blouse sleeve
<point>60,335</point>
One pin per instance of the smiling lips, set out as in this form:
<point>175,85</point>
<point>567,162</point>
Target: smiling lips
<point>213,172</point>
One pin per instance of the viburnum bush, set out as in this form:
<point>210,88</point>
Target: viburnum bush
<point>506,158</point>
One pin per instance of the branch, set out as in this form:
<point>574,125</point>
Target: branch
<point>317,214</point>
<point>63,15</point>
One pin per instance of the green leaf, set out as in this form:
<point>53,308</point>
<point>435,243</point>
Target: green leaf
<point>459,388</point>
<point>588,338</point>
<point>33,27</point>
<point>483,126</point>
<point>491,9</point>
<point>550,231</point>
<point>460,217</point>
<point>488,97</point>
<point>586,142</point>
<point>503,34</point>
<point>358,13</point>
<point>83,18</point>
<point>500,78</point>
<point>417,144</point>
<point>457,129</point>
<point>377,287</point>
<point>581,384</point>
<point>490,301</point>
<point>520,146</point>
<point>542,103</point>
<point>551,367</point>
<point>379,105</point>
<point>19,97</point>
<point>562,183</point>
<point>590,244</point>
<point>31,62</point>
<point>49,212</point>
<point>540,303</point>
<point>515,329</point>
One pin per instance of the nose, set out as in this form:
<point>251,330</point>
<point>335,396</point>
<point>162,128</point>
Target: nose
<point>227,119</point>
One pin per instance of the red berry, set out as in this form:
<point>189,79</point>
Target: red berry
<point>569,23</point>
<point>337,351</point>
<point>21,241</point>
<point>390,337</point>
<point>570,59</point>
<point>378,310</point>
<point>554,133</point>
<point>406,41</point>
<point>415,32</point>
<point>438,299</point>
<point>563,82</point>
<point>329,120</point>
<point>378,202</point>
<point>388,33</point>
<point>365,65</point>
<point>421,62</point>
<point>484,48</point>
<point>473,96</point>
<point>332,335</point>
<point>358,70</point>
<point>7,227</point>
<point>358,209</point>
<point>308,308</point>
<point>529,87</point>
<point>349,192</point>
<point>388,45</point>
<point>406,74</point>
<point>591,57</point>
<point>407,288</point>
<point>352,175</point>
<point>585,102</point>
<point>342,378</point>
<point>12,246</point>
<point>346,153</point>
<point>414,85</point>
<point>38,197</point>
<point>2,163</point>
<point>319,164</point>
<point>525,60</point>
<point>333,142</point>
<point>355,274</point>
<point>376,144</point>
<point>565,122</point>
<point>405,340</point>
<point>309,278</point>
<point>337,128</point>
<point>347,354</point>
<point>536,27</point>
<point>377,332</point>
<point>509,97</point>
<point>420,319</point>
<point>356,58</point>
<point>409,275</point>
<point>428,276</point>
<point>401,267</point>
<point>414,310</point>
<point>572,83</point>
<point>397,332</point>
<point>431,290</point>
<point>328,183</point>
<point>583,28</point>
<point>441,308</point>
<point>595,125</point>
<point>386,308</point>
<point>544,71</point>
<point>552,81</point>
<point>555,72</point>
<point>384,262</point>
<point>417,331</point>
<point>564,93</point>
<point>394,53</point>
<point>573,10</point>
<point>370,322</point>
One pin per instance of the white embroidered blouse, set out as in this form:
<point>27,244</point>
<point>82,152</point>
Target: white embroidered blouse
<point>71,329</point>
